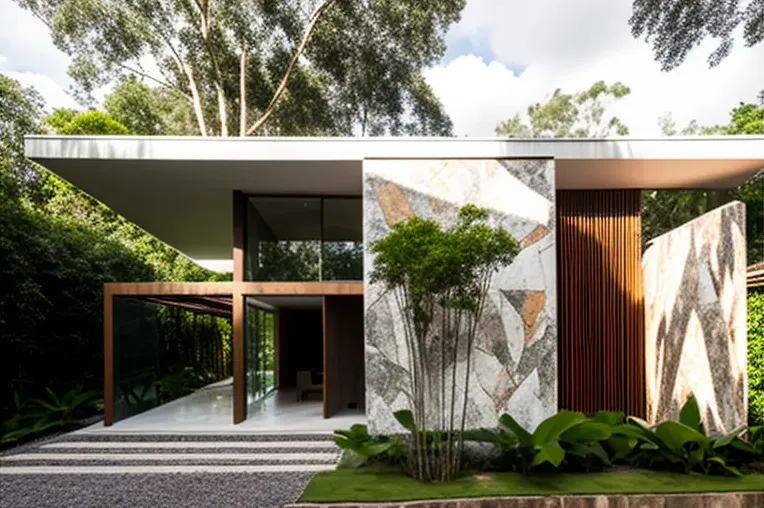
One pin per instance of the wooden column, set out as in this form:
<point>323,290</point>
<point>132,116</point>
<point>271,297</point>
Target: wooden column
<point>343,353</point>
<point>600,301</point>
<point>108,356</point>
<point>237,322</point>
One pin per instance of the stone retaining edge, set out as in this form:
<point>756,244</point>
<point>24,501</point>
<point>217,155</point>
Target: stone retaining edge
<point>701,500</point>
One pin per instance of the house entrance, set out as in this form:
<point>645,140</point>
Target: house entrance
<point>304,358</point>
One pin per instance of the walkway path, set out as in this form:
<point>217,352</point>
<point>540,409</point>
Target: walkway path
<point>197,470</point>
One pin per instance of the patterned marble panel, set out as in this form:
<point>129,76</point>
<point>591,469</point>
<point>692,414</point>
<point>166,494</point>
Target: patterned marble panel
<point>514,364</point>
<point>695,298</point>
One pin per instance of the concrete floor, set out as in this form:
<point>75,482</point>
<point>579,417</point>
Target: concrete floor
<point>210,410</point>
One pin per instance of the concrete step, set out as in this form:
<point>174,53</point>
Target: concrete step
<point>156,454</point>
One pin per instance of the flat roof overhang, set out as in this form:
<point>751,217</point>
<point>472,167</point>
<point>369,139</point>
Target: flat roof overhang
<point>180,188</point>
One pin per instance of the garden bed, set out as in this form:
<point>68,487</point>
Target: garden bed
<point>376,484</point>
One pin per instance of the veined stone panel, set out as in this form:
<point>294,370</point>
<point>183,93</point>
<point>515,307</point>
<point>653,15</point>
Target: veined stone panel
<point>695,311</point>
<point>514,362</point>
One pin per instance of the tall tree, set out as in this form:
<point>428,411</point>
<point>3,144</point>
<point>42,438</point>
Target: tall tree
<point>576,115</point>
<point>150,111</point>
<point>71,205</point>
<point>275,67</point>
<point>20,113</point>
<point>675,27</point>
<point>665,210</point>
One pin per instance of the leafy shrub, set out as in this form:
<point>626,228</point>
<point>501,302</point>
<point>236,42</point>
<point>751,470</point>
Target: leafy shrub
<point>359,446</point>
<point>756,357</point>
<point>571,441</point>
<point>566,440</point>
<point>439,278</point>
<point>41,415</point>
<point>685,445</point>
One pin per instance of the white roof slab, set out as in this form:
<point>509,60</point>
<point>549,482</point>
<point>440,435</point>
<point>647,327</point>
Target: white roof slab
<point>180,188</point>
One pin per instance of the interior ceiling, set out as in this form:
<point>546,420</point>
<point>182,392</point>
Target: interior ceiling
<point>291,302</point>
<point>188,203</point>
<point>299,218</point>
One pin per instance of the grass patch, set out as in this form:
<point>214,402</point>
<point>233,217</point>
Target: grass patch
<point>381,484</point>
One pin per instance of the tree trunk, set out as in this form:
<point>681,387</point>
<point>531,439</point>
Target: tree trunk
<point>285,79</point>
<point>243,92</point>
<point>195,98</point>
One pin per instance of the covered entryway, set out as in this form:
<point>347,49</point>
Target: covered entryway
<point>303,359</point>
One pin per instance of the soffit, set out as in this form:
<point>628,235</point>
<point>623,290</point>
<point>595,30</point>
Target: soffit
<point>180,189</point>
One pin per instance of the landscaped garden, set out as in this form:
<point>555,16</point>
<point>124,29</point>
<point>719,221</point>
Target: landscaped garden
<point>440,280</point>
<point>567,454</point>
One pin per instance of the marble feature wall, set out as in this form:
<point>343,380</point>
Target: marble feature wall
<point>514,363</point>
<point>695,310</point>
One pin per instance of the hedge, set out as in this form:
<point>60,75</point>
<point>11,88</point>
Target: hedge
<point>756,356</point>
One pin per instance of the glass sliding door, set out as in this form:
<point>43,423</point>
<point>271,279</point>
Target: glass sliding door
<point>260,338</point>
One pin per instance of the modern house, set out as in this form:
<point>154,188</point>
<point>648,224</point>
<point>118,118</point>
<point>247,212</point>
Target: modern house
<point>581,319</point>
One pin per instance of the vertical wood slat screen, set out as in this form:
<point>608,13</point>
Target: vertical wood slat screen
<point>601,359</point>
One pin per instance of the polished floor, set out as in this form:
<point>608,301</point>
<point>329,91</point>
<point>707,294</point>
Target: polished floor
<point>210,409</point>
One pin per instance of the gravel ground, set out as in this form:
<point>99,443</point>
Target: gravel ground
<point>152,491</point>
<point>193,490</point>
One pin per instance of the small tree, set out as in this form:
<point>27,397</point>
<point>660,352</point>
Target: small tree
<point>440,279</point>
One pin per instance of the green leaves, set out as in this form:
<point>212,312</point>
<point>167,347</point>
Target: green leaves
<point>406,419</point>
<point>690,414</point>
<point>570,115</point>
<point>93,122</point>
<point>359,446</point>
<point>567,435</point>
<point>569,440</point>
<point>430,263</point>
<point>685,445</point>
<point>439,279</point>
<point>58,411</point>
<point>362,66</point>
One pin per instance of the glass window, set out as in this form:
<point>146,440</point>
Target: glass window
<point>136,357</point>
<point>284,239</point>
<point>342,247</point>
<point>260,345</point>
<point>294,239</point>
<point>164,352</point>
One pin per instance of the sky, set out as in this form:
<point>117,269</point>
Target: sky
<point>502,56</point>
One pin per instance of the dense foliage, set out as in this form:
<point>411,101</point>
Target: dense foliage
<point>259,66</point>
<point>439,278</point>
<point>570,441</point>
<point>674,27</point>
<point>58,246</point>
<point>756,356</point>
<point>664,210</point>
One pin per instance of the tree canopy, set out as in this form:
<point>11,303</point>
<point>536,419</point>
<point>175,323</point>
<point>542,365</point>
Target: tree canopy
<point>275,67</point>
<point>20,111</point>
<point>58,246</point>
<point>675,27</point>
<point>570,115</point>
<point>150,111</point>
<point>664,210</point>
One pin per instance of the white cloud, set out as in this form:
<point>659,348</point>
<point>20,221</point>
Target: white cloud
<point>28,55</point>
<point>570,45</point>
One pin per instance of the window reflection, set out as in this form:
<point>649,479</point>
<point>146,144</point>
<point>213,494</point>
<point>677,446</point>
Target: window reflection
<point>304,239</point>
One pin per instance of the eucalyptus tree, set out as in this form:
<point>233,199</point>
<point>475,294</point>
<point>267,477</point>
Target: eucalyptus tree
<point>266,66</point>
<point>439,279</point>
<point>675,27</point>
<point>570,115</point>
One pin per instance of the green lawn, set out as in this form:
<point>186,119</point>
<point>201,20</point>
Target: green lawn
<point>379,484</point>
